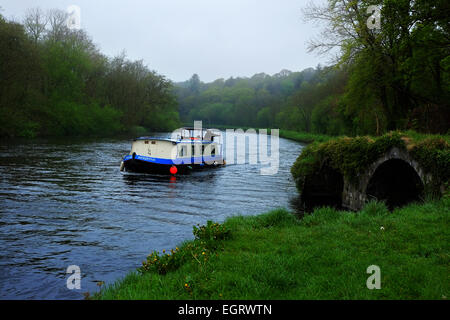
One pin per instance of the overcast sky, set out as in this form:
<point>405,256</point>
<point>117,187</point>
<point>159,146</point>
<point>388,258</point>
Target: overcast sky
<point>177,38</point>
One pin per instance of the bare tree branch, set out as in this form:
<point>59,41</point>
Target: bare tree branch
<point>35,23</point>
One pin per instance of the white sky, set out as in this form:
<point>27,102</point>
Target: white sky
<point>177,38</point>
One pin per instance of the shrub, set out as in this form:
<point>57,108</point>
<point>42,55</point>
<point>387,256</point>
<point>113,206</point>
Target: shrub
<point>207,239</point>
<point>209,235</point>
<point>211,231</point>
<point>433,154</point>
<point>161,264</point>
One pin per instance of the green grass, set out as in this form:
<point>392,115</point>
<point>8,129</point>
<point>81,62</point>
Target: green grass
<point>304,136</point>
<point>417,136</point>
<point>325,255</point>
<point>316,137</point>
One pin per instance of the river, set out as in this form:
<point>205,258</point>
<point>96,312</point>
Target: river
<point>64,202</point>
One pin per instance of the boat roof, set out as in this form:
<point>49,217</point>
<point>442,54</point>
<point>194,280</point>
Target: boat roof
<point>208,137</point>
<point>194,128</point>
<point>156,138</point>
<point>174,140</point>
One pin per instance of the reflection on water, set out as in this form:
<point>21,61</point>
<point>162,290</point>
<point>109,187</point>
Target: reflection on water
<point>65,202</point>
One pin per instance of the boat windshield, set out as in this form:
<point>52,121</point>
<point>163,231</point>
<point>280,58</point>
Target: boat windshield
<point>196,134</point>
<point>192,133</point>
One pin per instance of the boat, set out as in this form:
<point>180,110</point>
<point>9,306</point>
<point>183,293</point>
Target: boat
<point>189,148</point>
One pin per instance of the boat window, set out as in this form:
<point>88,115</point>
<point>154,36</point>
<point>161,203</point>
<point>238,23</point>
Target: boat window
<point>193,150</point>
<point>153,142</point>
<point>213,151</point>
<point>146,142</point>
<point>182,151</point>
<point>203,149</point>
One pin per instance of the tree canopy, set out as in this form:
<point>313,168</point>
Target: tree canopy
<point>54,81</point>
<point>396,76</point>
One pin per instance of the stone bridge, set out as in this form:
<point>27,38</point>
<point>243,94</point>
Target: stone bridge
<point>395,178</point>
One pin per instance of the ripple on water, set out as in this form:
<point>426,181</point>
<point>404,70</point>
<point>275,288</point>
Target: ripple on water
<point>66,202</point>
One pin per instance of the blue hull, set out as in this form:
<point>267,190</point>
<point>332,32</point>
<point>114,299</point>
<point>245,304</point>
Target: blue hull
<point>162,166</point>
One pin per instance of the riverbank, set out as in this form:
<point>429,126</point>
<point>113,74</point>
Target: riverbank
<point>306,137</point>
<point>303,137</point>
<point>325,255</point>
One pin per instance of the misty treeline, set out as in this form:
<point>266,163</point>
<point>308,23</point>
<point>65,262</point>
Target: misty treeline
<point>288,100</point>
<point>54,81</point>
<point>394,77</point>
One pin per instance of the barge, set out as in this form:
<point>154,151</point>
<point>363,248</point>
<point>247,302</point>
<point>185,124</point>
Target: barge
<point>191,149</point>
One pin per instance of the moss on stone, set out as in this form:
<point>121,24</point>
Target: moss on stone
<point>352,156</point>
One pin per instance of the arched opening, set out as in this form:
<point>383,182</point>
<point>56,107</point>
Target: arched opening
<point>396,183</point>
<point>323,189</point>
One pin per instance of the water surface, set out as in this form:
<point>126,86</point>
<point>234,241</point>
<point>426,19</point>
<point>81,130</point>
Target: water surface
<point>65,202</point>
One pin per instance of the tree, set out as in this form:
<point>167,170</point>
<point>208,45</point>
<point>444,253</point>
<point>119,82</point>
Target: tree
<point>35,24</point>
<point>412,42</point>
<point>194,84</point>
<point>57,20</point>
<point>19,81</point>
<point>56,82</point>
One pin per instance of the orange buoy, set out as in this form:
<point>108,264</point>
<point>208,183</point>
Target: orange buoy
<point>173,170</point>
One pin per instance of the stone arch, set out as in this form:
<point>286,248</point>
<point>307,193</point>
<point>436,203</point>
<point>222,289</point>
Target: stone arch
<point>355,193</point>
<point>323,188</point>
<point>396,183</point>
<point>395,178</point>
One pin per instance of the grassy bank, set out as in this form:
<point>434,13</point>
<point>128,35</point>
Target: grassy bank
<point>315,137</point>
<point>304,137</point>
<point>325,255</point>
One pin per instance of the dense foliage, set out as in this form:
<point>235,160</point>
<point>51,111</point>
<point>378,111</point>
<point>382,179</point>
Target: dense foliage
<point>54,81</point>
<point>285,100</point>
<point>394,77</point>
